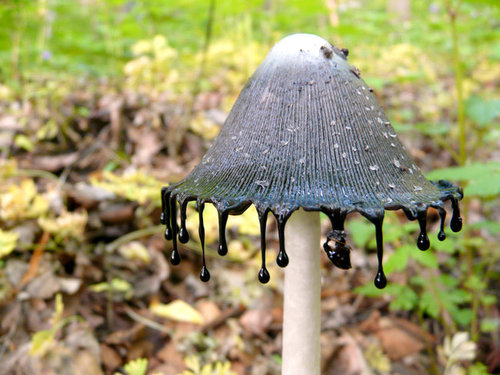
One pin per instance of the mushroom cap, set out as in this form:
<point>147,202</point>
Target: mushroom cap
<point>306,131</point>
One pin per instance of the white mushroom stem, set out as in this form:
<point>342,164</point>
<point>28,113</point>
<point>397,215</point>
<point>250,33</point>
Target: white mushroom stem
<point>302,295</point>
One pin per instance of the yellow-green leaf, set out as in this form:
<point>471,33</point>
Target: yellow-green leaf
<point>41,342</point>
<point>8,242</point>
<point>136,367</point>
<point>177,310</point>
<point>135,250</point>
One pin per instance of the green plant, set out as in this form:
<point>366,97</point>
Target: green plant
<point>196,368</point>
<point>42,341</point>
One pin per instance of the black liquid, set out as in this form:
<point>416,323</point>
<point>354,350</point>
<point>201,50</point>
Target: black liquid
<point>423,242</point>
<point>165,215</point>
<point>380,280</point>
<point>263,273</point>
<point>264,276</point>
<point>340,254</point>
<point>282,258</point>
<point>163,205</point>
<point>183,233</point>
<point>175,259</point>
<point>204,274</point>
<point>456,220</point>
<point>442,216</point>
<point>222,232</point>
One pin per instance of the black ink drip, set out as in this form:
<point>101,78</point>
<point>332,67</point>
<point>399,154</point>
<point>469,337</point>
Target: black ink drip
<point>204,274</point>
<point>175,259</point>
<point>423,242</point>
<point>456,220</point>
<point>282,258</point>
<point>183,233</point>
<point>340,254</point>
<point>263,273</point>
<point>165,215</point>
<point>442,216</point>
<point>380,280</point>
<point>222,232</point>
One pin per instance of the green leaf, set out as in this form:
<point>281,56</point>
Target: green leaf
<point>369,290</point>
<point>488,299</point>
<point>478,368</point>
<point>405,298</point>
<point>481,110</point>
<point>475,283</point>
<point>398,260</point>
<point>41,342</point>
<point>432,129</point>
<point>490,325</point>
<point>462,316</point>
<point>426,258</point>
<point>136,367</point>
<point>484,178</point>
<point>469,172</point>
<point>8,242</point>
<point>361,232</point>
<point>429,305</point>
<point>491,226</point>
<point>117,285</point>
<point>24,142</point>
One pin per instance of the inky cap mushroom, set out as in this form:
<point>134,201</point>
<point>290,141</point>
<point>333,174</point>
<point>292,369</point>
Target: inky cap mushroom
<point>307,132</point>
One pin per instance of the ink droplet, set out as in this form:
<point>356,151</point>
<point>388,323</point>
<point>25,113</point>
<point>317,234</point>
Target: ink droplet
<point>380,280</point>
<point>339,255</point>
<point>423,242</point>
<point>282,259</point>
<point>168,234</point>
<point>204,274</point>
<point>442,216</point>
<point>456,220</point>
<point>175,258</point>
<point>264,275</point>
<point>222,233</point>
<point>183,235</point>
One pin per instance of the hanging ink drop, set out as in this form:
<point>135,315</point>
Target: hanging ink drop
<point>264,276</point>
<point>204,274</point>
<point>175,259</point>
<point>183,232</point>
<point>222,233</point>
<point>282,258</point>
<point>263,273</point>
<point>380,279</point>
<point>337,250</point>
<point>442,216</point>
<point>456,220</point>
<point>163,205</point>
<point>423,242</point>
<point>165,215</point>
